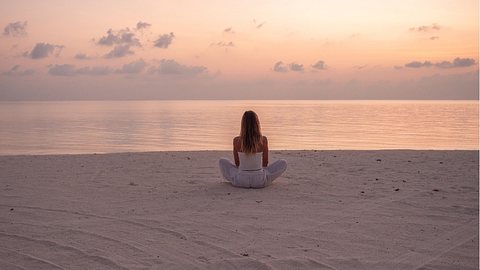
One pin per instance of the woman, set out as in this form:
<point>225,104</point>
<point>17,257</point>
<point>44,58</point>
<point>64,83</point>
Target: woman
<point>250,151</point>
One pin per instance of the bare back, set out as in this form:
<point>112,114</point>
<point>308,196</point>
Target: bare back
<point>263,148</point>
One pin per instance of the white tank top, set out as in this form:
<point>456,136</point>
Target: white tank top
<point>250,162</point>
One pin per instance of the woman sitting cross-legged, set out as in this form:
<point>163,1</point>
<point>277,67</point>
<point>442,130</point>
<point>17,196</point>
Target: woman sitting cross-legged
<point>250,151</point>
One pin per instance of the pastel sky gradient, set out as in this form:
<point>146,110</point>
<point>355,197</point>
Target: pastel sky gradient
<point>115,49</point>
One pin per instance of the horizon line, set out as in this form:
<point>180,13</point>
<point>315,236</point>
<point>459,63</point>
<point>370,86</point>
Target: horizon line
<point>221,99</point>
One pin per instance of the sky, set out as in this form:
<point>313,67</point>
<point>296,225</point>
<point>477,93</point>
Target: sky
<point>122,50</point>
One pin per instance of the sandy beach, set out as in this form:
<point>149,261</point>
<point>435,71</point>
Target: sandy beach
<point>396,209</point>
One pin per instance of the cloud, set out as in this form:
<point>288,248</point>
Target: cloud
<point>223,44</point>
<point>142,25</point>
<point>70,70</point>
<point>296,67</point>
<point>456,63</point>
<point>121,37</point>
<point>280,67</point>
<point>359,67</point>
<point>82,56</point>
<point>172,67</point>
<point>129,38</point>
<point>426,28</point>
<point>42,50</point>
<point>134,67</point>
<point>463,62</point>
<point>16,71</point>
<point>229,30</point>
<point>123,40</point>
<point>444,64</point>
<point>15,29</point>
<point>62,70</point>
<point>164,40</point>
<point>418,64</point>
<point>109,39</point>
<point>94,71</point>
<point>119,51</point>
<point>258,25</point>
<point>320,65</point>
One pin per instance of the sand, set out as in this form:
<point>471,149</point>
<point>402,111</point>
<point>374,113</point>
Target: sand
<point>171,210</point>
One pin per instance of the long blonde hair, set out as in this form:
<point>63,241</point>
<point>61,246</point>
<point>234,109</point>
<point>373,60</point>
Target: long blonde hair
<point>250,133</point>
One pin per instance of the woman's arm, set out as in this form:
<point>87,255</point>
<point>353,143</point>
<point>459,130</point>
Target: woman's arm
<point>236,146</point>
<point>265,152</point>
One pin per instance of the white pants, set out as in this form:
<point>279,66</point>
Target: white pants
<point>251,179</point>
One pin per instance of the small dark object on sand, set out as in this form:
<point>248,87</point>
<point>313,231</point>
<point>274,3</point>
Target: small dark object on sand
<point>228,193</point>
<point>245,254</point>
<point>409,161</point>
<point>376,179</point>
<point>441,162</point>
<point>379,160</point>
<point>436,190</point>
<point>397,189</point>
<point>188,158</point>
<point>259,201</point>
<point>362,191</point>
<point>404,181</point>
<point>11,209</point>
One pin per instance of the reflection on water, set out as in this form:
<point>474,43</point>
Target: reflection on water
<point>118,126</point>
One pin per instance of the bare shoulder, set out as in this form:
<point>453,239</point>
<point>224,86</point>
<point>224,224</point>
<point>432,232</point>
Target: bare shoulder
<point>264,142</point>
<point>236,142</point>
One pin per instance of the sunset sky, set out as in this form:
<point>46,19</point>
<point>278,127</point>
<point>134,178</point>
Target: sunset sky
<point>56,50</point>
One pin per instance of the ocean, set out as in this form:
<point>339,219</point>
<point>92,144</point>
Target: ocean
<point>74,127</point>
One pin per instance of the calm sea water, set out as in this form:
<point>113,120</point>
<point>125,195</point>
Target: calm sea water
<point>69,127</point>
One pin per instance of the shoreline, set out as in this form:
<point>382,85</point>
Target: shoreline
<point>220,151</point>
<point>332,209</point>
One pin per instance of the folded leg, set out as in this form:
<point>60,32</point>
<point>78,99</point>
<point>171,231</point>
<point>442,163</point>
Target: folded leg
<point>275,169</point>
<point>228,169</point>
